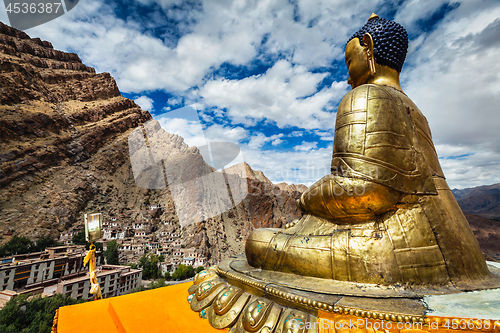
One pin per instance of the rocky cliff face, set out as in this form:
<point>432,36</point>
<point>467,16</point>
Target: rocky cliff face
<point>57,118</point>
<point>487,233</point>
<point>64,151</point>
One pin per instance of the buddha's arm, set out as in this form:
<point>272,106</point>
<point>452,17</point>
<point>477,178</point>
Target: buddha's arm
<point>347,200</point>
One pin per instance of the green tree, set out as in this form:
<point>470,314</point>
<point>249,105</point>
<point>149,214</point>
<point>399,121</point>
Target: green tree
<point>111,252</point>
<point>30,316</point>
<point>79,238</point>
<point>150,269</point>
<point>183,272</point>
<point>167,276</point>
<point>199,269</point>
<point>138,289</point>
<point>190,272</point>
<point>17,245</point>
<point>43,242</point>
<point>158,284</point>
<point>161,258</point>
<point>21,245</point>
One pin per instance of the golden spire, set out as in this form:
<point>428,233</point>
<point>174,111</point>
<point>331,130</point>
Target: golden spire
<point>372,16</point>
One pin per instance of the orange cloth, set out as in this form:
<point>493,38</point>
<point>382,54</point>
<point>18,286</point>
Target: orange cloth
<point>154,311</point>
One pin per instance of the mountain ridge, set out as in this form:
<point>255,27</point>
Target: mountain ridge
<point>480,200</point>
<point>64,151</point>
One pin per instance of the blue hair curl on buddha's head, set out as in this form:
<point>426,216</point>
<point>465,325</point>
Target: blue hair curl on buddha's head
<point>390,41</point>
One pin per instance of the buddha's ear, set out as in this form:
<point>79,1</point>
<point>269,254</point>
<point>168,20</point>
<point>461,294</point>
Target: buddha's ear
<point>368,46</point>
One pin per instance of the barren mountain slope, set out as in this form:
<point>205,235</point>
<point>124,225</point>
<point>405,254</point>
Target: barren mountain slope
<point>64,151</point>
<point>481,200</point>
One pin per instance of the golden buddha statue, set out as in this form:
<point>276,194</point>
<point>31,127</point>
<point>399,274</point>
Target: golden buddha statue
<point>383,228</point>
<point>385,215</point>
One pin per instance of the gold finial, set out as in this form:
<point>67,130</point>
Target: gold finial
<point>372,16</point>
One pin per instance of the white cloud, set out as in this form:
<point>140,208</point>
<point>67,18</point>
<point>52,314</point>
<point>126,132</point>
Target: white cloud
<point>453,78</point>
<point>296,133</point>
<point>185,123</point>
<point>306,146</point>
<point>298,167</point>
<point>277,142</point>
<point>285,94</point>
<point>220,31</point>
<point>145,103</point>
<point>258,140</point>
<point>477,169</point>
<point>451,72</point>
<point>173,101</point>
<point>466,166</point>
<point>325,135</point>
<point>218,132</point>
<point>190,130</point>
<point>446,151</point>
<point>413,11</point>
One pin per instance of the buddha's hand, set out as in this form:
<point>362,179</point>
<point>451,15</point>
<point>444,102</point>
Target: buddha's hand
<point>347,200</point>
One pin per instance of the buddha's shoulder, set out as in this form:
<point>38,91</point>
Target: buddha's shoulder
<point>372,91</point>
<point>357,99</point>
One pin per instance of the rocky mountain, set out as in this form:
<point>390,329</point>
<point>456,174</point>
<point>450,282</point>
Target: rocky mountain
<point>487,233</point>
<point>482,200</point>
<point>481,207</point>
<point>58,120</point>
<point>64,151</point>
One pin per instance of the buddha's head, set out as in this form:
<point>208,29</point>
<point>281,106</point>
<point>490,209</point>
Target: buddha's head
<point>376,52</point>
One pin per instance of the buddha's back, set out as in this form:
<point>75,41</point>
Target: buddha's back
<point>379,133</point>
<point>381,136</point>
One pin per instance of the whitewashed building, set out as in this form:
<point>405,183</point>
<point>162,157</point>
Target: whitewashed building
<point>27,271</point>
<point>200,261</point>
<point>188,261</point>
<point>66,237</point>
<point>114,280</point>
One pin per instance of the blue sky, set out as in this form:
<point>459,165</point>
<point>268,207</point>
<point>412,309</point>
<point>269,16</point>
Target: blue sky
<point>268,75</point>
